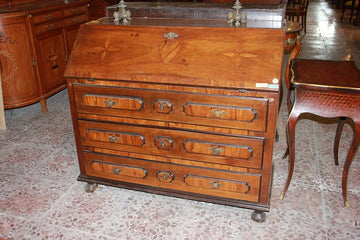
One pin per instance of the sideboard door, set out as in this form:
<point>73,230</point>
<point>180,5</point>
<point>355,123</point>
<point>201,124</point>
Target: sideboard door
<point>17,63</point>
<point>52,60</point>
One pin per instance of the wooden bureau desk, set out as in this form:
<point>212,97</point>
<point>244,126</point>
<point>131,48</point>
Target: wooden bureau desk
<point>179,104</point>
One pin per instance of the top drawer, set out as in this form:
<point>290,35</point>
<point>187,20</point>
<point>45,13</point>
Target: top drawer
<point>75,10</point>
<point>247,113</point>
<point>46,16</point>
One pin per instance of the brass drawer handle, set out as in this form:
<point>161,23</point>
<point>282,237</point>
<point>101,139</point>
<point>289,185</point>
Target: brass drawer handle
<point>76,20</point>
<point>117,170</point>
<point>48,17</point>
<point>113,139</point>
<point>75,10</point>
<point>110,103</point>
<point>218,113</point>
<point>49,27</point>
<point>215,185</point>
<point>216,150</point>
<point>171,35</point>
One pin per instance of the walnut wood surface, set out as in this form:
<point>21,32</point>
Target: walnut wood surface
<point>187,115</point>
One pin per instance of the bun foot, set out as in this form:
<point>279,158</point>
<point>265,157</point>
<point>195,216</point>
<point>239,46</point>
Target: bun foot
<point>258,216</point>
<point>91,187</point>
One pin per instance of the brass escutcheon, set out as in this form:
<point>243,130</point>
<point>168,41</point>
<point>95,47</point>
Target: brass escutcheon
<point>171,35</point>
<point>216,150</point>
<point>218,113</point>
<point>110,103</point>
<point>163,143</point>
<point>162,106</point>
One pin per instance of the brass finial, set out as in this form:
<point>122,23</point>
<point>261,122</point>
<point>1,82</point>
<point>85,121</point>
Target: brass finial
<point>122,13</point>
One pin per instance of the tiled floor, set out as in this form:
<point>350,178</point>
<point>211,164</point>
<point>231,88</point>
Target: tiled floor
<point>41,199</point>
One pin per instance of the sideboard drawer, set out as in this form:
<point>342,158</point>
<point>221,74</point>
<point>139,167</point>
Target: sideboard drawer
<point>242,186</point>
<point>46,16</point>
<point>75,20</point>
<point>226,150</point>
<point>48,26</point>
<point>246,113</point>
<point>75,10</point>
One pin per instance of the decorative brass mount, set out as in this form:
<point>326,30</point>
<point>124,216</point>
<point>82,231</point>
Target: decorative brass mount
<point>236,16</point>
<point>122,13</point>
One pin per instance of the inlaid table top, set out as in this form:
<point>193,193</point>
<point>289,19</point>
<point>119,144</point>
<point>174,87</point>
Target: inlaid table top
<point>327,74</point>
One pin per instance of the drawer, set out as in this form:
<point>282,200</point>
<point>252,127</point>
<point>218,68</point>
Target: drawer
<point>246,113</point>
<point>227,150</point>
<point>242,186</point>
<point>46,16</point>
<point>75,10</point>
<point>75,20</point>
<point>48,26</point>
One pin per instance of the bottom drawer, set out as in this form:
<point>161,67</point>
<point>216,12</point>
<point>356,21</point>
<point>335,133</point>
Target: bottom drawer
<point>234,185</point>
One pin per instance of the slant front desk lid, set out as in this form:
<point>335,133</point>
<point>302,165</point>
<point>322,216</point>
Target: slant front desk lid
<point>188,45</point>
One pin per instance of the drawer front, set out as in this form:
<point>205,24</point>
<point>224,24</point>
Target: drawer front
<point>75,10</point>
<point>48,26</point>
<point>46,16</point>
<point>246,113</point>
<point>226,150</point>
<point>242,186</point>
<point>75,20</point>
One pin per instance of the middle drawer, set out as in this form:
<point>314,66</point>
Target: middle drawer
<point>210,148</point>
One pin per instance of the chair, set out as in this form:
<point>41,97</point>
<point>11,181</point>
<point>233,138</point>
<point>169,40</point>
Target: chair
<point>351,5</point>
<point>328,89</point>
<point>297,11</point>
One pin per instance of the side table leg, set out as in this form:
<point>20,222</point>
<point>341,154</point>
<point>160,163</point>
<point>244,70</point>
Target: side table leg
<point>291,146</point>
<point>348,161</point>
<point>339,129</point>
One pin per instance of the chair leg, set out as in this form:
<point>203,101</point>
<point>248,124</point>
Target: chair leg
<point>339,129</point>
<point>291,146</point>
<point>348,161</point>
<point>342,15</point>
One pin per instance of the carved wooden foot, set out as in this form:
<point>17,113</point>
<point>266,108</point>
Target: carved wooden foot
<point>91,187</point>
<point>258,216</point>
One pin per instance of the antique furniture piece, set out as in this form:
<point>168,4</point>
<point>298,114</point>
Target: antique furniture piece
<point>351,5</point>
<point>35,43</point>
<point>292,33</point>
<point>177,101</point>
<point>328,89</point>
<point>297,11</point>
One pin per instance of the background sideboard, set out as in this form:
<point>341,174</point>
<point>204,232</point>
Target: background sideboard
<point>36,38</point>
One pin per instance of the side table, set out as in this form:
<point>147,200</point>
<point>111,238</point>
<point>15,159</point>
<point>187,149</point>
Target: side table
<point>328,89</point>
